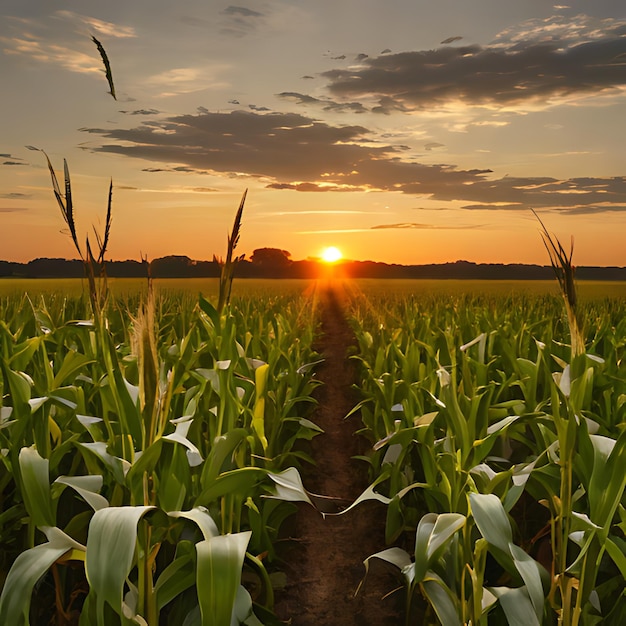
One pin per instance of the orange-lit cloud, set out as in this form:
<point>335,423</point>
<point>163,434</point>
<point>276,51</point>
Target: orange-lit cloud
<point>296,152</point>
<point>539,63</point>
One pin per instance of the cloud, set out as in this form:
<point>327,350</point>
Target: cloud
<point>11,209</point>
<point>185,80</point>
<point>245,12</point>
<point>298,152</point>
<point>104,28</point>
<point>14,163</point>
<point>451,40</point>
<point>432,145</point>
<point>310,187</point>
<point>141,112</point>
<point>16,196</point>
<point>48,40</point>
<point>326,104</point>
<point>417,226</point>
<point>540,63</point>
<point>240,21</point>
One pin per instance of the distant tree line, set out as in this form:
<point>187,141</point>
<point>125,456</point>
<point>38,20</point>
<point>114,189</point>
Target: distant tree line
<point>276,263</point>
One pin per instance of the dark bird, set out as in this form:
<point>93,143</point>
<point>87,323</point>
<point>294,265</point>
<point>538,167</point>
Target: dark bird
<point>107,66</point>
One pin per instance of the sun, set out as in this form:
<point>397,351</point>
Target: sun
<point>331,254</point>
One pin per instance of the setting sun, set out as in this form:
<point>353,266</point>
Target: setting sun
<point>331,254</point>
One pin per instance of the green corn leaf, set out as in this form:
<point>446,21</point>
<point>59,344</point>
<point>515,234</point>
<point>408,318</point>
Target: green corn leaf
<point>433,532</point>
<point>396,557</point>
<point>241,481</point>
<point>289,487</point>
<point>27,569</point>
<point>242,611</point>
<point>200,516</point>
<point>36,485</point>
<point>73,362</point>
<point>210,310</point>
<point>492,520</point>
<point>369,494</point>
<point>442,600</point>
<point>108,568</point>
<point>608,479</point>
<point>222,449</point>
<point>88,488</point>
<point>618,554</point>
<point>219,563</point>
<point>516,605</point>
<point>178,576</point>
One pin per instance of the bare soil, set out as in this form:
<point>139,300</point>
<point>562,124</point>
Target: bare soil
<point>324,562</point>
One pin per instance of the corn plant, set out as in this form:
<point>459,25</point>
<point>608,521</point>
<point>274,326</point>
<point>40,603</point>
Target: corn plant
<point>163,434</point>
<point>95,271</point>
<point>472,407</point>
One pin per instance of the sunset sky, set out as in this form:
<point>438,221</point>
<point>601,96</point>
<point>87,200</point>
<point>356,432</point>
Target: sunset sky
<point>404,131</point>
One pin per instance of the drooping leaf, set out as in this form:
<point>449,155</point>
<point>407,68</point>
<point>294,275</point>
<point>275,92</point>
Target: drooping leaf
<point>108,568</point>
<point>88,488</point>
<point>27,569</point>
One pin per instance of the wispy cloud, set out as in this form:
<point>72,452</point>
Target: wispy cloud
<point>418,226</point>
<point>240,21</point>
<point>109,29</point>
<point>11,209</point>
<point>141,112</point>
<point>14,195</point>
<point>48,40</point>
<point>538,64</point>
<point>185,80</point>
<point>336,231</point>
<point>297,152</point>
<point>326,104</point>
<point>324,212</point>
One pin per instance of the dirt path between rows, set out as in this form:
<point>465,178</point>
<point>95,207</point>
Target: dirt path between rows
<point>324,564</point>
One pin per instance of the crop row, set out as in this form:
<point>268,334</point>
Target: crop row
<point>148,454</point>
<point>500,454</point>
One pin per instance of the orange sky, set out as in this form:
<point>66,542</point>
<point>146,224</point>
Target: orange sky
<point>424,134</point>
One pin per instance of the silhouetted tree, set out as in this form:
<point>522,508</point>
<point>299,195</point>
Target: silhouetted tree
<point>271,258</point>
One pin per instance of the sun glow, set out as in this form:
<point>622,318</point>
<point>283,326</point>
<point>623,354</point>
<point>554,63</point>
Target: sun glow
<point>331,254</point>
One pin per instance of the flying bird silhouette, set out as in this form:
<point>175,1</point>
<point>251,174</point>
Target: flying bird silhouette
<point>107,66</point>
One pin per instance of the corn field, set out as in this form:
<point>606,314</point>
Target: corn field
<point>150,455</point>
<point>500,453</point>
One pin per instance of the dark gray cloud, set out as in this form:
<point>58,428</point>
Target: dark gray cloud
<point>16,196</point>
<point>542,62</point>
<point>239,21</point>
<point>11,159</point>
<point>451,40</point>
<point>325,103</point>
<point>292,151</point>
<point>244,11</point>
<point>141,112</point>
